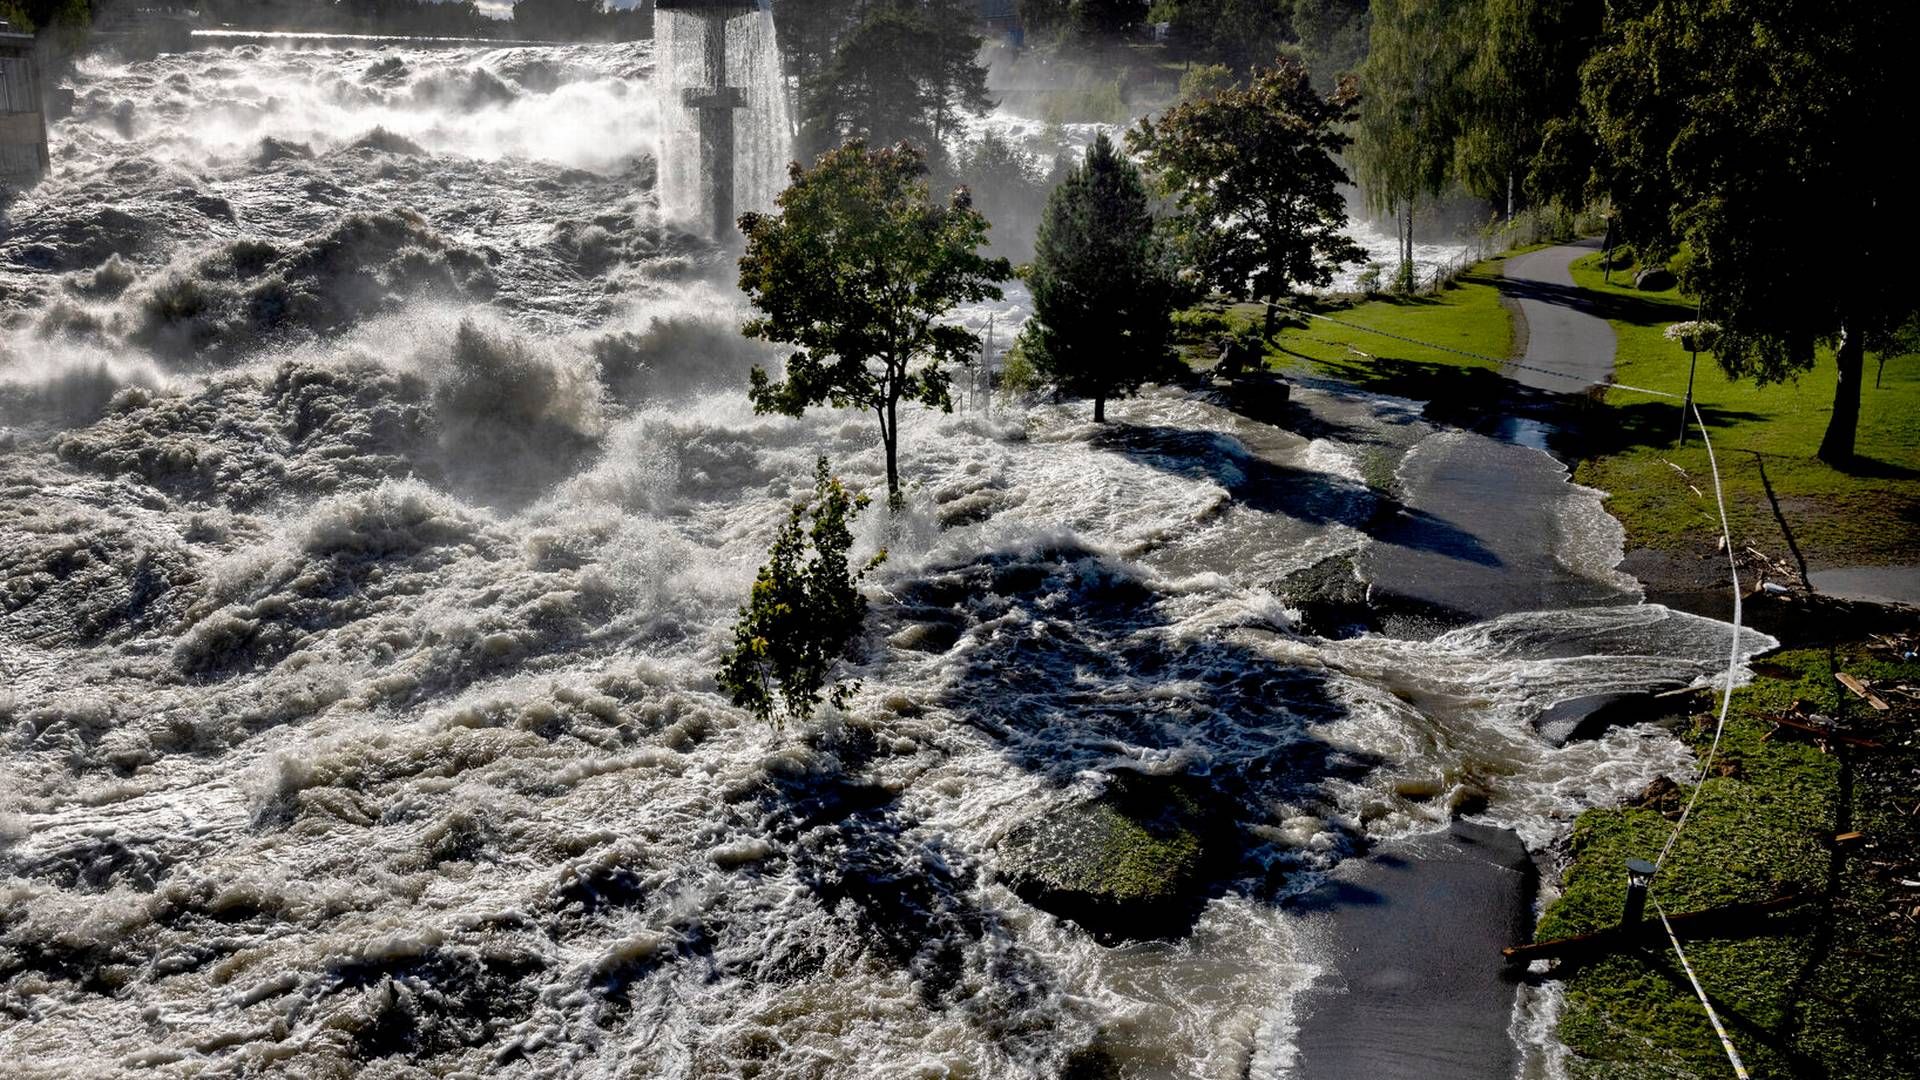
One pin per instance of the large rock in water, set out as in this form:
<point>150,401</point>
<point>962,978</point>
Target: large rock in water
<point>1589,716</point>
<point>1132,863</point>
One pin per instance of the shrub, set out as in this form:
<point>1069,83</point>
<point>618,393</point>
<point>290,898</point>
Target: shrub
<point>1018,377</point>
<point>1370,279</point>
<point>804,614</point>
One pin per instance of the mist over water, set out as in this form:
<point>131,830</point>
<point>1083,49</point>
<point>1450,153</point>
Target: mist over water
<point>378,492</point>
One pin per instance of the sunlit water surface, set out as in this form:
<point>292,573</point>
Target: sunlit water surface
<point>378,491</point>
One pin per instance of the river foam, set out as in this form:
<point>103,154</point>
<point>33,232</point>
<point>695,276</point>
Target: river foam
<point>359,713</point>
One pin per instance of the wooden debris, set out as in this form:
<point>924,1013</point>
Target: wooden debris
<point>1823,729</point>
<point>1860,689</point>
<point>1725,919</point>
<point>1848,839</point>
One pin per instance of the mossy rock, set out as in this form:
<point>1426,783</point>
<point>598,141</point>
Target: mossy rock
<point>1133,863</point>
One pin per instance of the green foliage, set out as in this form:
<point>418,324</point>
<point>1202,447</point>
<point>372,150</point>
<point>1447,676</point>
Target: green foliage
<point>856,270</point>
<point>1203,325</point>
<point>1524,77</point>
<point>1238,33</point>
<point>1332,36</point>
<point>805,612</point>
<point>1018,377</point>
<point>898,71</point>
<point>1101,101</point>
<point>1101,288</point>
<point>1412,103</point>
<point>67,20</point>
<point>1204,81</point>
<point>1369,280</point>
<point>1254,174</point>
<point>1748,129</point>
<point>1009,187</point>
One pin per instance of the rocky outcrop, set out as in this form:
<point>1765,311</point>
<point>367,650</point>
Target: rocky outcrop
<point>1131,863</point>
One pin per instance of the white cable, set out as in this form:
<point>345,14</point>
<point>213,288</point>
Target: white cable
<point>1733,651</point>
<point>1476,356</point>
<point>1726,1041</point>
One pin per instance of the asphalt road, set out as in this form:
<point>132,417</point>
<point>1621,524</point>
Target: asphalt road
<point>1569,346</point>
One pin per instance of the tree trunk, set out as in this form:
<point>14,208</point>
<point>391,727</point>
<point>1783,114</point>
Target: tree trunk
<point>1100,408</point>
<point>1836,448</point>
<point>890,434</point>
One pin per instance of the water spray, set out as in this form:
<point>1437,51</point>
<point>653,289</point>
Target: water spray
<point>715,103</point>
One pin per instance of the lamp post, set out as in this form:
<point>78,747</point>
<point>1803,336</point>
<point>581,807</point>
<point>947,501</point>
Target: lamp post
<point>1639,877</point>
<point>1692,336</point>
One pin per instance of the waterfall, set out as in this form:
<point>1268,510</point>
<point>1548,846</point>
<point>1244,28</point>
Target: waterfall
<point>764,138</point>
<point>762,141</point>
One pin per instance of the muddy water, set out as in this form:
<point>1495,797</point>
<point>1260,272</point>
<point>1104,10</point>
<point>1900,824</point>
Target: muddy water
<point>378,489</point>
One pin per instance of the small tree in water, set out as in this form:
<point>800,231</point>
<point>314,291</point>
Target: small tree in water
<point>1101,295</point>
<point>804,613</point>
<point>856,270</point>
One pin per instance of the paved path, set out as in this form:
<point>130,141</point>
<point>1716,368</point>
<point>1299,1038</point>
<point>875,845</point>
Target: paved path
<point>1874,584</point>
<point>1563,333</point>
<point>1482,531</point>
<point>1420,990</point>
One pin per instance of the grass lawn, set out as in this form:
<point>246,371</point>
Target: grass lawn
<point>1868,514</point>
<point>1467,317</point>
<point>1832,993</point>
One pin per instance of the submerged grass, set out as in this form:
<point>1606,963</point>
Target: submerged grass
<point>1828,991</point>
<point>1766,436</point>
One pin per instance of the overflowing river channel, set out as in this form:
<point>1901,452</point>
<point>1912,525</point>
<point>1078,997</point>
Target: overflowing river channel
<point>377,489</point>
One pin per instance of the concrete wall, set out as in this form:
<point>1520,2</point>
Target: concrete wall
<point>23,123</point>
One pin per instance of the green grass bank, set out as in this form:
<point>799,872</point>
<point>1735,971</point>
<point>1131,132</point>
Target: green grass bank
<point>1828,989</point>
<point>1765,436</point>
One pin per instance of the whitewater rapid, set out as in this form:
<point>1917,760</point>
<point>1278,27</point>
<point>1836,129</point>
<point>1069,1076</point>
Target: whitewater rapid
<point>378,492</point>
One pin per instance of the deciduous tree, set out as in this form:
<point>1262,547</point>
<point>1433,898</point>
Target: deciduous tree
<point>1254,175</point>
<point>856,270</point>
<point>805,612</point>
<point>1411,105</point>
<point>1754,131</point>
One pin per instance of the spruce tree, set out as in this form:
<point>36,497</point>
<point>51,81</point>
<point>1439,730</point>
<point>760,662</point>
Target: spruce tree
<point>1101,294</point>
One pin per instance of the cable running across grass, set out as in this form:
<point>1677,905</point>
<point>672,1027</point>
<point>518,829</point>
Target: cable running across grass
<point>1476,356</point>
<point>1733,651</point>
<point>1726,1042</point>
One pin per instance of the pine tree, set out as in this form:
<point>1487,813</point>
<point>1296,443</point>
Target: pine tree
<point>1101,295</point>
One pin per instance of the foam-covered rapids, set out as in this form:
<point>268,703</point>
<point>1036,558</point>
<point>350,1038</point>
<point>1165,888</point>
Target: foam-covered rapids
<point>376,491</point>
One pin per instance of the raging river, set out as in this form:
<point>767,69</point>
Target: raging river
<point>377,488</point>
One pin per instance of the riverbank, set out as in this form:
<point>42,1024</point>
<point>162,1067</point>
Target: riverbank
<point>1819,990</point>
<point>1825,988</point>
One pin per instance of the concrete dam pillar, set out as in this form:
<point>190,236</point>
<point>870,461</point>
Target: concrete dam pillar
<point>24,160</point>
<point>715,104</point>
